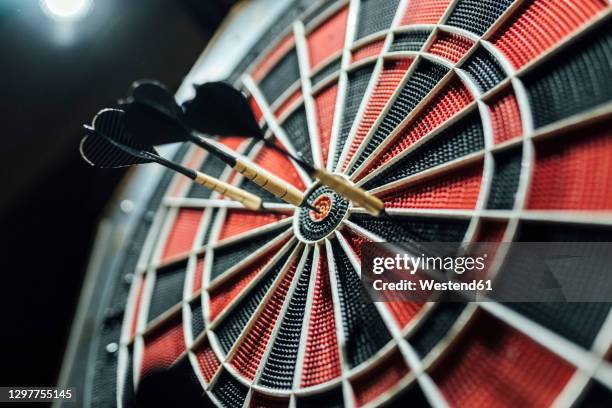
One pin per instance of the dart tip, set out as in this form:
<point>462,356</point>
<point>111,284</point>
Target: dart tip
<point>313,208</point>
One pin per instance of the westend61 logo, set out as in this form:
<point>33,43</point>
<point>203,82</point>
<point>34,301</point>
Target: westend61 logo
<point>504,272</point>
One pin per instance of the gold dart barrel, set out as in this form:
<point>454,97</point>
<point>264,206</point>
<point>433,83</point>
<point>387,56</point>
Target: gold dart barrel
<point>369,202</point>
<point>249,200</point>
<point>269,182</point>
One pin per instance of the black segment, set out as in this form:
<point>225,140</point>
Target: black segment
<point>578,322</point>
<point>208,231</point>
<point>409,41</point>
<point>460,139</point>
<point>423,79</point>
<point>435,327</point>
<point>326,71</point>
<point>407,229</point>
<point>197,318</point>
<point>213,167</point>
<point>505,179</point>
<point>364,330</point>
<point>477,15</point>
<point>168,289</point>
<point>279,368</point>
<point>413,394</point>
<point>595,396</point>
<point>357,83</point>
<point>328,399</point>
<point>227,256</point>
<point>281,77</point>
<point>183,370</point>
<point>233,324</point>
<point>229,392</point>
<point>484,70</point>
<point>543,232</point>
<point>316,12</point>
<point>316,230</point>
<point>375,16</point>
<point>575,81</point>
<point>296,127</point>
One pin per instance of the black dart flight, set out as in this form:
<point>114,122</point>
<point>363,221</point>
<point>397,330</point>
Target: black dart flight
<point>107,145</point>
<point>208,113</point>
<point>222,110</point>
<point>154,117</point>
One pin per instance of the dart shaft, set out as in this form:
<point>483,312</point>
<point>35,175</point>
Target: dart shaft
<point>249,200</point>
<point>269,182</point>
<point>264,179</point>
<point>369,202</point>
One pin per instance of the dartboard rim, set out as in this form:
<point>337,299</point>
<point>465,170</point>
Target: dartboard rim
<point>133,340</point>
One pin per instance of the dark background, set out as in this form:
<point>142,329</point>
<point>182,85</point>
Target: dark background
<point>54,77</point>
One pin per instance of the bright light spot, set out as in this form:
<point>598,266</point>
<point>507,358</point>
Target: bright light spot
<point>127,206</point>
<point>66,9</point>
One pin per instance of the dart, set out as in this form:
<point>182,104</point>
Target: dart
<point>101,150</point>
<point>153,117</point>
<point>208,111</point>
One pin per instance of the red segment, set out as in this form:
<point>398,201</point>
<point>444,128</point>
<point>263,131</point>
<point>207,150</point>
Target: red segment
<point>280,165</point>
<point>233,142</point>
<point>134,324</point>
<point>445,105</point>
<point>325,103</point>
<point>404,312</point>
<point>574,172</point>
<point>327,38</point>
<point>451,191</point>
<point>424,11</point>
<point>355,240</point>
<point>491,231</point>
<point>275,55</point>
<point>221,296</point>
<point>163,347</point>
<point>373,383</point>
<point>368,50</point>
<point>267,401</point>
<point>256,109</point>
<point>207,360</point>
<point>450,46</point>
<point>323,204</point>
<point>183,232</point>
<point>288,103</point>
<point>389,79</point>
<point>249,353</point>
<point>539,25</point>
<point>199,273</point>
<point>496,366</point>
<point>322,359</point>
<point>239,221</point>
<point>505,116</point>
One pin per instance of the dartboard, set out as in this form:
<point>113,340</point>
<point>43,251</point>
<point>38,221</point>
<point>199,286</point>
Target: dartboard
<point>473,120</point>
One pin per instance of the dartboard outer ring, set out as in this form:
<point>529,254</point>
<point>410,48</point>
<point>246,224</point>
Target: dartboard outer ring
<point>472,120</point>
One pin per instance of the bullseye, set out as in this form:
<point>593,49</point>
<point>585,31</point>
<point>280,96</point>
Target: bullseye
<point>311,226</point>
<point>323,205</point>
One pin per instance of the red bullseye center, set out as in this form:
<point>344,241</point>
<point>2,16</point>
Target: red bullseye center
<point>323,204</point>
